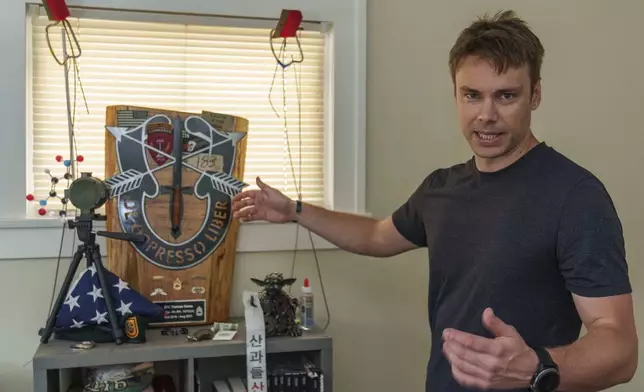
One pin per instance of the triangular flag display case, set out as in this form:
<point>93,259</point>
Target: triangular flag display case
<point>172,176</point>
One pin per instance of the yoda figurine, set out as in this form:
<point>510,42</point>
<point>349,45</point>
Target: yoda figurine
<point>280,309</point>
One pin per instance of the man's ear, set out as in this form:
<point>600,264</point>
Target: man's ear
<point>536,95</point>
<point>258,282</point>
<point>289,281</point>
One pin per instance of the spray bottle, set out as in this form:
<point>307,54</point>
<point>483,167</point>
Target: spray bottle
<point>306,306</point>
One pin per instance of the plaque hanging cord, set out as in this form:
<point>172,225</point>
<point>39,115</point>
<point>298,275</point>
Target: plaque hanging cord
<point>72,55</point>
<point>284,63</point>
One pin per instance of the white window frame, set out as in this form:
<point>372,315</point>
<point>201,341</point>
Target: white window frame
<point>22,237</point>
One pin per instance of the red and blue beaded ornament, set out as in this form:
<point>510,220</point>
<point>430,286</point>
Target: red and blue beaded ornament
<point>68,176</point>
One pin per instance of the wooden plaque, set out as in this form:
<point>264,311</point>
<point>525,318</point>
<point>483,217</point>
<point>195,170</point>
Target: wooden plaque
<point>172,176</point>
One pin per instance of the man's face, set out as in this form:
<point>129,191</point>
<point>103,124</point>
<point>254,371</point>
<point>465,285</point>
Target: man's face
<point>494,110</point>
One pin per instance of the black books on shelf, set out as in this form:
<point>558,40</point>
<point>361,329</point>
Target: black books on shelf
<point>283,376</point>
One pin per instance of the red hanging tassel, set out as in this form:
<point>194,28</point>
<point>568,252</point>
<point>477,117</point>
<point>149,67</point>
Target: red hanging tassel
<point>288,24</point>
<point>56,9</point>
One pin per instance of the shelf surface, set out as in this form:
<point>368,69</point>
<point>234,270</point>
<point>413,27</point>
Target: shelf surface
<point>57,354</point>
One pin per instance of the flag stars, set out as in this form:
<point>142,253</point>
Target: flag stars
<point>95,293</point>
<point>121,285</point>
<point>125,308</point>
<point>100,318</point>
<point>72,302</point>
<point>77,324</point>
<point>92,269</point>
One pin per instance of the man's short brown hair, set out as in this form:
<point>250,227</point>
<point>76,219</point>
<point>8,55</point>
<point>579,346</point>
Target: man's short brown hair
<point>504,40</point>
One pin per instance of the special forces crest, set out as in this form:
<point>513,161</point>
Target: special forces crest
<point>168,166</point>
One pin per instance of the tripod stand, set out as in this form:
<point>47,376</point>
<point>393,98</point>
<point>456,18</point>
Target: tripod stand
<point>91,250</point>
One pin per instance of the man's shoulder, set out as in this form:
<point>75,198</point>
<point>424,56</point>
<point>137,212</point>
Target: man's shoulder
<point>558,159</point>
<point>449,175</point>
<point>563,170</point>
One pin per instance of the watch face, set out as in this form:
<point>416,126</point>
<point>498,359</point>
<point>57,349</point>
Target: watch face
<point>548,381</point>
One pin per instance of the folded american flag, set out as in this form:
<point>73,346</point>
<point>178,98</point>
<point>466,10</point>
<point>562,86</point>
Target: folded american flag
<point>85,304</point>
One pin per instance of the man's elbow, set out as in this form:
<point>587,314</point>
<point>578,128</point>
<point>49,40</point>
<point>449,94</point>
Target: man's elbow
<point>628,366</point>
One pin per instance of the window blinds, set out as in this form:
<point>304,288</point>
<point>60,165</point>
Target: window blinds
<point>187,68</point>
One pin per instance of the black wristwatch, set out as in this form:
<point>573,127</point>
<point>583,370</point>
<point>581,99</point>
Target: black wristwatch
<point>298,209</point>
<point>546,378</point>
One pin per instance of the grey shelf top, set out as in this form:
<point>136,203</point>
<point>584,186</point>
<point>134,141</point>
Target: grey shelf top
<point>57,354</point>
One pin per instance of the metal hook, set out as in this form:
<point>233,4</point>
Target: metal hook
<point>69,32</point>
<point>299,46</point>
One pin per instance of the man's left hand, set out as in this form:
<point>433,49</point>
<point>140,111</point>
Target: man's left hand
<point>503,362</point>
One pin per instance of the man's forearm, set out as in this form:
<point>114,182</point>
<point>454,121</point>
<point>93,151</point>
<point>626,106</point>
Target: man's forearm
<point>353,233</point>
<point>602,358</point>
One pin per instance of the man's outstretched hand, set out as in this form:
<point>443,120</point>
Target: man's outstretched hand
<point>265,203</point>
<point>503,362</point>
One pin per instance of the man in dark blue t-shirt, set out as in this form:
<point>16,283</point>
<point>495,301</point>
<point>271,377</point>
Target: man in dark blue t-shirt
<point>525,246</point>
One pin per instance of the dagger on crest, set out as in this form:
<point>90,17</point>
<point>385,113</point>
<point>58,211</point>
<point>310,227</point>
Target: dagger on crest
<point>177,190</point>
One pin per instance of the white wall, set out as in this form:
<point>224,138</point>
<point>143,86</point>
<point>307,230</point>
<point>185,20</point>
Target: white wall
<point>591,111</point>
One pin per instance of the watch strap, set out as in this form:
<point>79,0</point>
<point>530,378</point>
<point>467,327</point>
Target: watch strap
<point>545,360</point>
<point>546,364</point>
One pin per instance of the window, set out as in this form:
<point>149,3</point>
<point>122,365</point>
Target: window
<point>184,67</point>
<point>338,25</point>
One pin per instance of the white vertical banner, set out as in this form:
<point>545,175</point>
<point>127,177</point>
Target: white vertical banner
<point>255,343</point>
